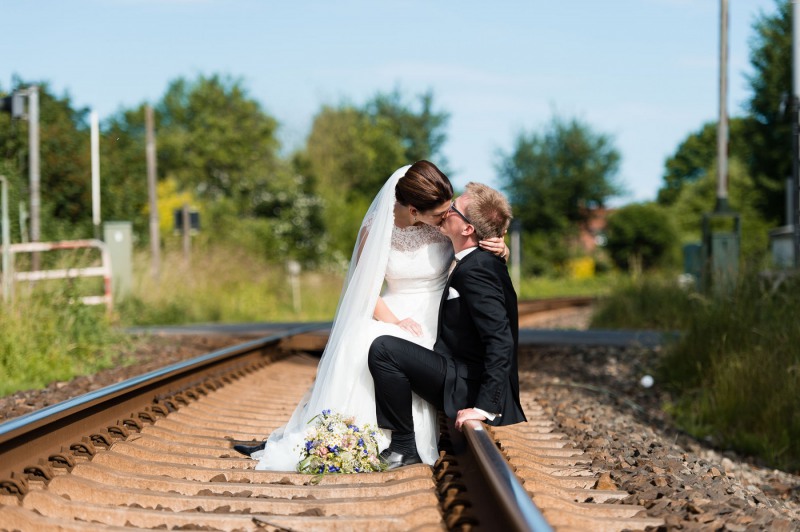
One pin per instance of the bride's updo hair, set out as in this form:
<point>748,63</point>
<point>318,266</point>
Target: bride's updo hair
<point>424,186</point>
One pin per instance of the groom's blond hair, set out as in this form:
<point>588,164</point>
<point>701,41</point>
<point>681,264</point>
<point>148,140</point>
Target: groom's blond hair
<point>488,210</point>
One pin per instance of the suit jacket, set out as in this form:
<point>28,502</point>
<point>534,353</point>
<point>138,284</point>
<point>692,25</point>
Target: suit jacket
<point>478,335</point>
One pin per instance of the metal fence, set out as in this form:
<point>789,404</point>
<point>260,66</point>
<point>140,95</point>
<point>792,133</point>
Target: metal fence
<point>10,277</point>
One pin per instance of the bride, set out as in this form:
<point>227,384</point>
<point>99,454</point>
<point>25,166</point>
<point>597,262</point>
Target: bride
<point>399,245</point>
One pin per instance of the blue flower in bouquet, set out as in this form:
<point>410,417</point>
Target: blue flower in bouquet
<point>336,444</point>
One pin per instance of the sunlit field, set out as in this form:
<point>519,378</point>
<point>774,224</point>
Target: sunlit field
<point>547,287</point>
<point>226,286</point>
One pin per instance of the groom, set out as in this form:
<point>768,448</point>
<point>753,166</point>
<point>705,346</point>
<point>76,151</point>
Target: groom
<point>472,371</point>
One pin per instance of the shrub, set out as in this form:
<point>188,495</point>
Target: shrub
<point>641,236</point>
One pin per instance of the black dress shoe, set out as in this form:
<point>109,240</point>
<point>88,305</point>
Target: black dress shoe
<point>247,450</point>
<point>393,459</point>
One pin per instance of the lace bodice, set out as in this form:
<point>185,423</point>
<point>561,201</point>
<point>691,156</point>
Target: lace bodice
<point>413,237</point>
<point>418,260</point>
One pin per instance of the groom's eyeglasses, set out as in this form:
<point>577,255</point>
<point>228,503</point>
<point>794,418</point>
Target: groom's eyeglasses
<point>453,209</point>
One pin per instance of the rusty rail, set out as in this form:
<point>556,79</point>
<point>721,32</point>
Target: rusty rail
<point>44,439</point>
<point>520,511</point>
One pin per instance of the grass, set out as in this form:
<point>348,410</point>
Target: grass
<point>652,302</point>
<point>46,337</point>
<point>545,287</point>
<point>226,286</point>
<point>735,371</point>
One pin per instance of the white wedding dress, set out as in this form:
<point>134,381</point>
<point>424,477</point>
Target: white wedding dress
<point>411,265</point>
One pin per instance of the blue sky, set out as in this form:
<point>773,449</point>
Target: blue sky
<point>643,71</point>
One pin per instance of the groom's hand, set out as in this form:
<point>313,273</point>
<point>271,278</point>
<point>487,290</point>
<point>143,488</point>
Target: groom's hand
<point>467,414</point>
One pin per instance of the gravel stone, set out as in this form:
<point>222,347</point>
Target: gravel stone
<point>594,396</point>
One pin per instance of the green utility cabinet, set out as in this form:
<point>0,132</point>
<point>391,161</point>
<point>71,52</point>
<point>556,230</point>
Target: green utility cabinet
<point>721,245</point>
<point>118,237</point>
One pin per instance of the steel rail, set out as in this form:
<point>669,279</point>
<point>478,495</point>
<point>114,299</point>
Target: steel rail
<point>39,437</point>
<point>532,306</point>
<point>519,509</point>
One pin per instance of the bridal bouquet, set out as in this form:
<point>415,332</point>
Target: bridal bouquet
<point>337,445</point>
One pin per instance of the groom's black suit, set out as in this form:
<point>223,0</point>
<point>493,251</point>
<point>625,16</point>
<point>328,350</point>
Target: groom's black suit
<point>474,362</point>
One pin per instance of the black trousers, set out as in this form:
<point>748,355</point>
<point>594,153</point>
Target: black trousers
<point>399,367</point>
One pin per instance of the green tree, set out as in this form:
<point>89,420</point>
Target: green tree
<point>123,169</point>
<point>552,176</point>
<point>216,143</point>
<point>421,132</point>
<point>696,155</point>
<point>641,236</point>
<point>351,151</point>
<point>769,133</point>
<point>216,140</point>
<point>349,156</point>
<point>699,197</point>
<point>65,187</point>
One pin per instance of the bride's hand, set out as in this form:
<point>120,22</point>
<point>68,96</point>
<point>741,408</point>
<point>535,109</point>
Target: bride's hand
<point>411,326</point>
<point>495,245</point>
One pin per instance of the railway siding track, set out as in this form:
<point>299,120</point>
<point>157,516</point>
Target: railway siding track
<point>169,463</point>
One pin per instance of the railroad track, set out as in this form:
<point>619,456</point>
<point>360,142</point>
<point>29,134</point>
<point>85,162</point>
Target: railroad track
<point>155,452</point>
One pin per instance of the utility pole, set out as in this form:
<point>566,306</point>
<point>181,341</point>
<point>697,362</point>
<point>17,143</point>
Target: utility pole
<point>722,227</point>
<point>722,128</point>
<point>155,240</point>
<point>795,108</point>
<point>95,150</point>
<point>33,164</point>
<point>6,239</point>
<point>187,235</point>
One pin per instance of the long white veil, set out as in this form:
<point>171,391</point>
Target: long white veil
<point>343,383</point>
